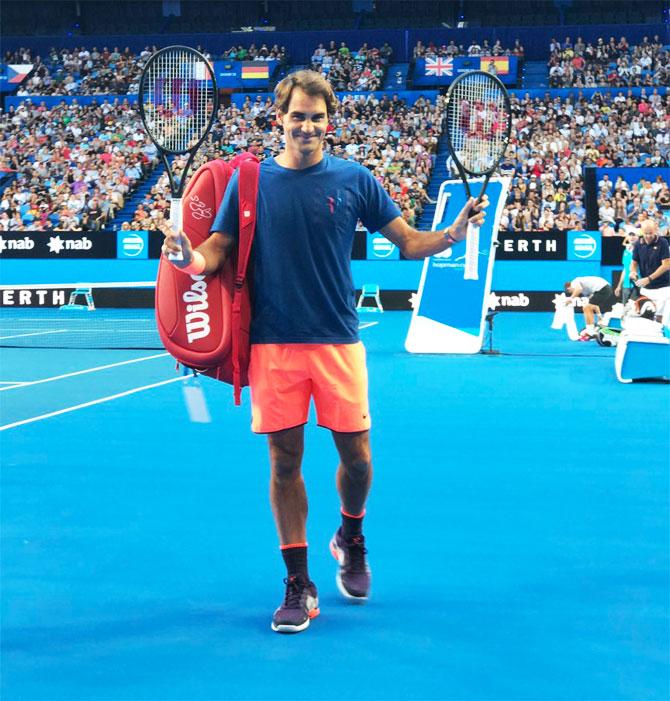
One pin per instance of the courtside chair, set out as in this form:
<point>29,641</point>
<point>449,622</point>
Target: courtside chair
<point>369,291</point>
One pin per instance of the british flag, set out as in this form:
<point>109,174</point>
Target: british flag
<point>439,66</point>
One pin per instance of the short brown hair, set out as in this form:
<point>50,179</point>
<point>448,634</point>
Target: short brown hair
<point>311,82</point>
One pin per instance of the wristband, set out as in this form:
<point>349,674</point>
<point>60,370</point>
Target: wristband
<point>196,266</point>
<point>449,238</point>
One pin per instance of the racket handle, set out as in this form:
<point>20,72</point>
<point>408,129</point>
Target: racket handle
<point>472,253</point>
<point>175,224</point>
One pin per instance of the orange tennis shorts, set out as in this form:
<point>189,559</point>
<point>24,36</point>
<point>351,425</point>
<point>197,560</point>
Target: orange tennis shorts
<point>283,377</point>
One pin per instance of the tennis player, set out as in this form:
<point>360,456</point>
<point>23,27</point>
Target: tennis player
<point>304,329</point>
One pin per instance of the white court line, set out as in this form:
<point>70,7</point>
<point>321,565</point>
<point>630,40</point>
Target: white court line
<point>367,324</point>
<point>36,333</point>
<point>11,382</point>
<point>84,372</point>
<point>92,403</point>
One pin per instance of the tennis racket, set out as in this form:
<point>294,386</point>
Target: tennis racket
<point>178,102</point>
<point>479,122</point>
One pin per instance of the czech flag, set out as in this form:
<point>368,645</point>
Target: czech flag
<point>18,72</point>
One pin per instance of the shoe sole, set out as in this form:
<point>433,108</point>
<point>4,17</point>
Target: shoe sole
<point>287,628</point>
<point>338,554</point>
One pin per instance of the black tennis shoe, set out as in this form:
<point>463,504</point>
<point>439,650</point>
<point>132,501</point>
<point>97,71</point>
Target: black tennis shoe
<point>353,576</point>
<point>300,605</point>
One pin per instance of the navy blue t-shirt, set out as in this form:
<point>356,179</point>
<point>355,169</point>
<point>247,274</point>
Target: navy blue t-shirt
<point>650,257</point>
<point>303,291</point>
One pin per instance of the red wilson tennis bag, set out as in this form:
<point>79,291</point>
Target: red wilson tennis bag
<point>203,320</point>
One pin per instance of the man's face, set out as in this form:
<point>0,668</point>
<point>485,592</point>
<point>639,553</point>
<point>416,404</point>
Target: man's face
<point>305,123</point>
<point>649,232</point>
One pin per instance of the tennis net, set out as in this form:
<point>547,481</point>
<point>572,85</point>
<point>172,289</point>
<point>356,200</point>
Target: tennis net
<point>105,315</point>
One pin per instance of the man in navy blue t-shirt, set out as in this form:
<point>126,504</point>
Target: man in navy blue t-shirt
<point>304,327</point>
<point>650,267</point>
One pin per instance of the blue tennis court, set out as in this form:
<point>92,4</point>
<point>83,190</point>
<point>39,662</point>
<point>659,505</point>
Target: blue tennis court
<point>518,541</point>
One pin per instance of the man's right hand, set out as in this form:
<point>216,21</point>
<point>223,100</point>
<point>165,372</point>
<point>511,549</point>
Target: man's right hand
<point>175,244</point>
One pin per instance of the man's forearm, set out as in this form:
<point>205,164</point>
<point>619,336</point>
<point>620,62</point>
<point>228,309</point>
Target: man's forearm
<point>428,243</point>
<point>661,270</point>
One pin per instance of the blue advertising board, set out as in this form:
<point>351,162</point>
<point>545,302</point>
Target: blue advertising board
<point>450,311</point>
<point>244,74</point>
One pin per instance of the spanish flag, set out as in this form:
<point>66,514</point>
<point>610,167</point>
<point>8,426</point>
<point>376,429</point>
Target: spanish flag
<point>501,64</point>
<point>255,70</point>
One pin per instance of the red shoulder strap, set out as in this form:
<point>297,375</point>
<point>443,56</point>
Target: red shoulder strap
<point>248,195</point>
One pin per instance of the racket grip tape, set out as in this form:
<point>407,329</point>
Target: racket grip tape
<point>472,253</point>
<point>176,224</point>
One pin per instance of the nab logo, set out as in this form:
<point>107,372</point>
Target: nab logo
<point>518,301</point>
<point>583,246</point>
<point>132,244</point>
<point>24,244</point>
<point>56,244</point>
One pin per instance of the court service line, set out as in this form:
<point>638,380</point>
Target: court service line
<point>34,333</point>
<point>84,372</point>
<point>366,324</point>
<point>102,400</point>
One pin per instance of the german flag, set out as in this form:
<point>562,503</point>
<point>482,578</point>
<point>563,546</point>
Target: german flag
<point>500,62</point>
<point>255,70</point>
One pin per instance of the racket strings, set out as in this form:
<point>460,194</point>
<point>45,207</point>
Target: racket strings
<point>477,120</point>
<point>178,99</point>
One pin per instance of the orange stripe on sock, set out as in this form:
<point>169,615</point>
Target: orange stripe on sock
<point>344,513</point>
<point>292,545</point>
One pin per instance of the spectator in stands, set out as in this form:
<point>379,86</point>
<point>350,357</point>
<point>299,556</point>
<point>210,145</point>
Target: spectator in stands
<point>611,63</point>
<point>363,70</point>
<point>452,49</point>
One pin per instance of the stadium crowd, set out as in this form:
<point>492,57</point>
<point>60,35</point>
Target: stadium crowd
<point>614,63</point>
<point>452,49</point>
<point>75,165</point>
<point>364,69</point>
<point>554,138</point>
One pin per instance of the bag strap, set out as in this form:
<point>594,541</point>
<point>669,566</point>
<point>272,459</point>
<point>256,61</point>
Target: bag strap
<point>247,188</point>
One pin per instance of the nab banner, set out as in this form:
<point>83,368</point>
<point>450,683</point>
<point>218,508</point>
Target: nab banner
<point>524,301</point>
<point>56,244</point>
